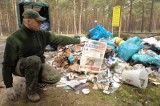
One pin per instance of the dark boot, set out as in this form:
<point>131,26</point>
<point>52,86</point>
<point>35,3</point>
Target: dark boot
<point>30,67</point>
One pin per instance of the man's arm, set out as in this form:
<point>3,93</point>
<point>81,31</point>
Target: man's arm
<point>63,40</point>
<point>9,62</point>
<point>10,56</point>
<point>55,40</point>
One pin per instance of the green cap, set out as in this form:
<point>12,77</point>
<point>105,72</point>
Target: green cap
<point>30,13</point>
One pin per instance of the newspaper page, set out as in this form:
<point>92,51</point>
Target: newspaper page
<point>92,56</point>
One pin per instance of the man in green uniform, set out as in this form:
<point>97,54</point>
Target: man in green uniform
<point>24,57</point>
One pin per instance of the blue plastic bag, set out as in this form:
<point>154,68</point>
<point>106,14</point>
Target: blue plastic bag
<point>99,32</point>
<point>109,44</point>
<point>128,48</point>
<point>147,59</point>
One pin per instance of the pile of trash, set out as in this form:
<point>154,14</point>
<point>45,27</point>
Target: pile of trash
<point>104,61</point>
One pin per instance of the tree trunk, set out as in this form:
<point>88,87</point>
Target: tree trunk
<point>15,9</point>
<point>130,16</point>
<point>142,26</point>
<point>151,17</point>
<point>8,26</point>
<point>1,24</point>
<point>80,17</point>
<point>74,16</point>
<point>57,16</point>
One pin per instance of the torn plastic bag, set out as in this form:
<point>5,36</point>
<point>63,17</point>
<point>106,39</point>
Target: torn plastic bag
<point>147,59</point>
<point>128,48</point>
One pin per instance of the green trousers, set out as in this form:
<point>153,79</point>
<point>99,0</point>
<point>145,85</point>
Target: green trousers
<point>34,71</point>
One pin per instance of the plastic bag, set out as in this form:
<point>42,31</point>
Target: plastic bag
<point>147,59</point>
<point>99,32</point>
<point>128,48</point>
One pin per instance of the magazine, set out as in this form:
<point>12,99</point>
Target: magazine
<point>92,56</point>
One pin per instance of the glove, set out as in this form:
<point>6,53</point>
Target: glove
<point>83,39</point>
<point>11,93</point>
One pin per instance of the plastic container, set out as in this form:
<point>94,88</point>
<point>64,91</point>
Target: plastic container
<point>138,78</point>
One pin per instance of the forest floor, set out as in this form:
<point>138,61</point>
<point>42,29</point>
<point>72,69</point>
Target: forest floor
<point>126,95</point>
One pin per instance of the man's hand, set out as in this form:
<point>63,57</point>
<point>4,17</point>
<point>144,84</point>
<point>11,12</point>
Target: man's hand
<point>11,93</point>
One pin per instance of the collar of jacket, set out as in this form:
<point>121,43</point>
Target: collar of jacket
<point>27,29</point>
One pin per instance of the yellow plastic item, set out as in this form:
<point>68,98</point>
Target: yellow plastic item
<point>118,41</point>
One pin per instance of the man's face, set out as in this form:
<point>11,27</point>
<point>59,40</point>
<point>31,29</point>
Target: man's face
<point>34,24</point>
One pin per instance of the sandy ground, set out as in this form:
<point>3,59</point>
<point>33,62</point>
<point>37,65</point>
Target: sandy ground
<point>51,96</point>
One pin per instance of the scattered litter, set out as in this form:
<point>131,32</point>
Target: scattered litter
<point>96,62</point>
<point>156,83</point>
<point>116,79</point>
<point>85,91</point>
<point>80,86</point>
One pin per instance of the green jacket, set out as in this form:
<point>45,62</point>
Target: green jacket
<point>26,42</point>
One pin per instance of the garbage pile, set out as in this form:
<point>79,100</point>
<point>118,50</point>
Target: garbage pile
<point>135,61</point>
